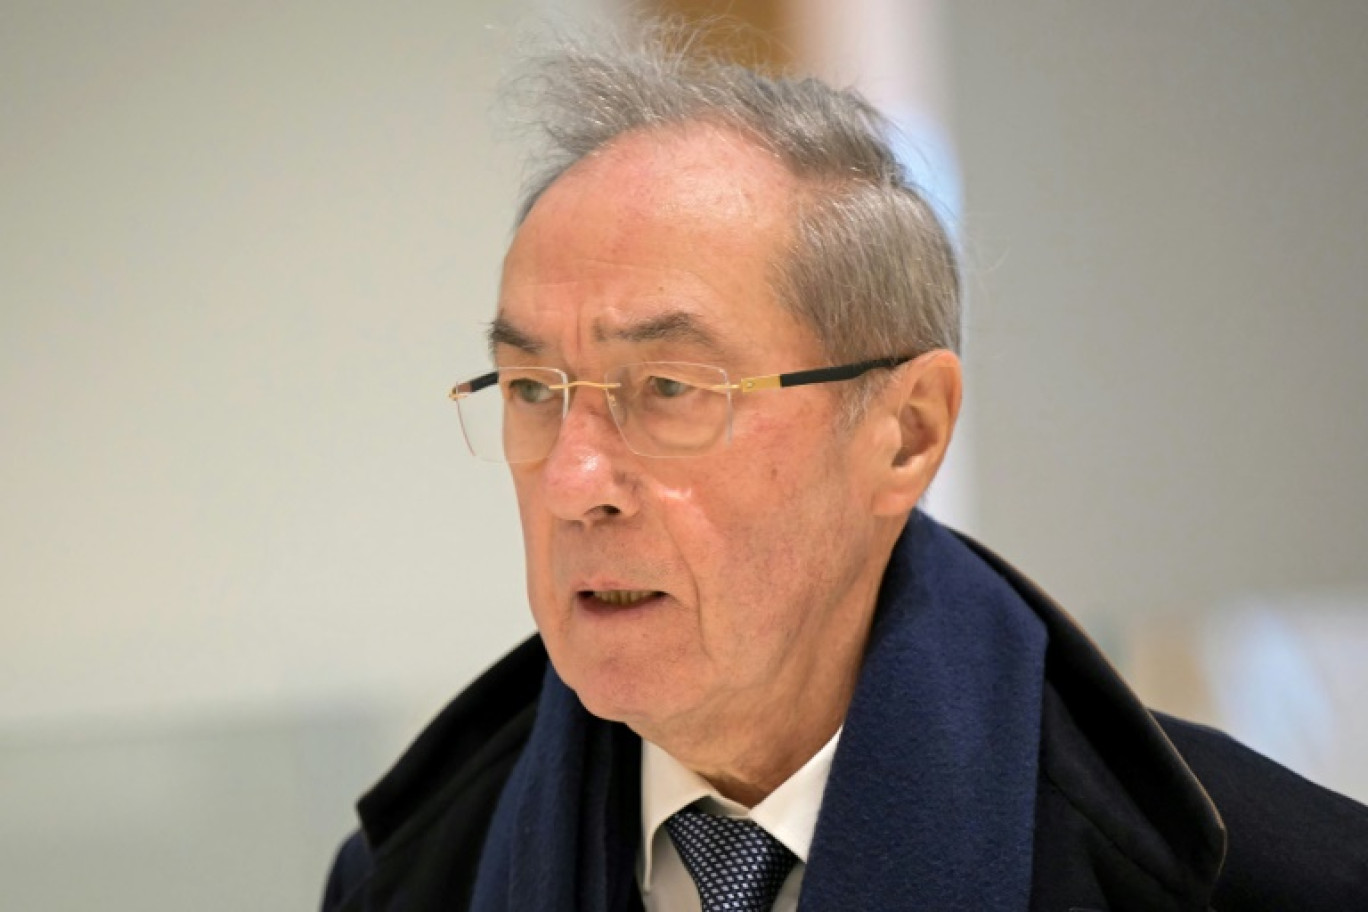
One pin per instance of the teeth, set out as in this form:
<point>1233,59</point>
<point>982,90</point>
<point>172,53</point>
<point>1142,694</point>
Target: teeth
<point>623,596</point>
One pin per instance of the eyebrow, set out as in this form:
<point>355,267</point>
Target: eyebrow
<point>675,326</point>
<point>501,332</point>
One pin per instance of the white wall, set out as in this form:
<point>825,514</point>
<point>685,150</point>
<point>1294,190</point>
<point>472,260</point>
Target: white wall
<point>1169,207</point>
<point>247,248</point>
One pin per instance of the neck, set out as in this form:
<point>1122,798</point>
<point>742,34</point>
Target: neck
<point>748,781</point>
<point>750,747</point>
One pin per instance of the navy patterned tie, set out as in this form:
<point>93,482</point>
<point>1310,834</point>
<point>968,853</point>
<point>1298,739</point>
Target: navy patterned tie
<point>737,866</point>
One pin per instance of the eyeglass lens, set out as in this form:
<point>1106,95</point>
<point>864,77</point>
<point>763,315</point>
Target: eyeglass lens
<point>662,409</point>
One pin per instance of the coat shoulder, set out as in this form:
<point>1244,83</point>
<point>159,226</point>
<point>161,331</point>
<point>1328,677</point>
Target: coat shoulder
<point>1140,810</point>
<point>423,824</point>
<point>1290,843</point>
<point>350,868</point>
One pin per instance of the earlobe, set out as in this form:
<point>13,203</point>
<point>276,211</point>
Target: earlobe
<point>921,407</point>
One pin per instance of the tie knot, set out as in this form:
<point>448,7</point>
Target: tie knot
<point>737,866</point>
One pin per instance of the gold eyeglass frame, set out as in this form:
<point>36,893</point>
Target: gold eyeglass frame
<point>746,385</point>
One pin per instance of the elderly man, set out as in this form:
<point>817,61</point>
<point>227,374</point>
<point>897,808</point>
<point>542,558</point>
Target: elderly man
<point>724,378</point>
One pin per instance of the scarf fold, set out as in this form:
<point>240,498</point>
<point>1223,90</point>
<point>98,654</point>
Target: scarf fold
<point>931,799</point>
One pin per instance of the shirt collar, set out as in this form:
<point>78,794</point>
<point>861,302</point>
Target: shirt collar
<point>789,813</point>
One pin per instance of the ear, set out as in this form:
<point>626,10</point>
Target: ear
<point>916,415</point>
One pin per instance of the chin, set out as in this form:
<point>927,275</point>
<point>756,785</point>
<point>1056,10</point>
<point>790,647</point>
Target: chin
<point>622,673</point>
<point>620,694</point>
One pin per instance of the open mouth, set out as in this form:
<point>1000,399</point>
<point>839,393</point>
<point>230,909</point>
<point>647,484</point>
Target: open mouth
<point>619,598</point>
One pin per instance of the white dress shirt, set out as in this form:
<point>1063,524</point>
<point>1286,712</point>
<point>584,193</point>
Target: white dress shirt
<point>789,814</point>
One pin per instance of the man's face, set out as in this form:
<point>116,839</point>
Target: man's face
<point>759,555</point>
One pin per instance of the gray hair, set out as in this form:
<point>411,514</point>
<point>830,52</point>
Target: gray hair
<point>870,267</point>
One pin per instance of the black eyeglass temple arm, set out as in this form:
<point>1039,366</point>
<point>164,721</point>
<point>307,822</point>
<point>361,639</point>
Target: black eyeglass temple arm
<point>841,372</point>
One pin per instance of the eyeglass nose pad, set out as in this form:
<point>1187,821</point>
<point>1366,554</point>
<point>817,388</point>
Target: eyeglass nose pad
<point>614,405</point>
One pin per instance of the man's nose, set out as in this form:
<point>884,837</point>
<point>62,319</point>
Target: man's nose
<point>587,473</point>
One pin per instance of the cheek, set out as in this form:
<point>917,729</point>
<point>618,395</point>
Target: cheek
<point>536,532</point>
<point>765,531</point>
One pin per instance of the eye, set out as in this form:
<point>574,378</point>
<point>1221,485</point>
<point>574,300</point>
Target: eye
<point>667,387</point>
<point>532,392</point>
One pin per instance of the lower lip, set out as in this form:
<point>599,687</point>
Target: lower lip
<point>588,603</point>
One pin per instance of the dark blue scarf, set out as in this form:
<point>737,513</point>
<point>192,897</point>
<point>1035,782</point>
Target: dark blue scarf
<point>931,799</point>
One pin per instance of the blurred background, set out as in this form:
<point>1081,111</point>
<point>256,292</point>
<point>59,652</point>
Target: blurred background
<point>246,247</point>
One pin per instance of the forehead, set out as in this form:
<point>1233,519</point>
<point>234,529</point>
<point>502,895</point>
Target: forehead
<point>666,236</point>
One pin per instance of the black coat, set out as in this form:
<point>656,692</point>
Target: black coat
<point>1134,811</point>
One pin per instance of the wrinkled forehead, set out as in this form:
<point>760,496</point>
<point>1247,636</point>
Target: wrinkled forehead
<point>664,238</point>
<point>685,184</point>
<point>675,328</point>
